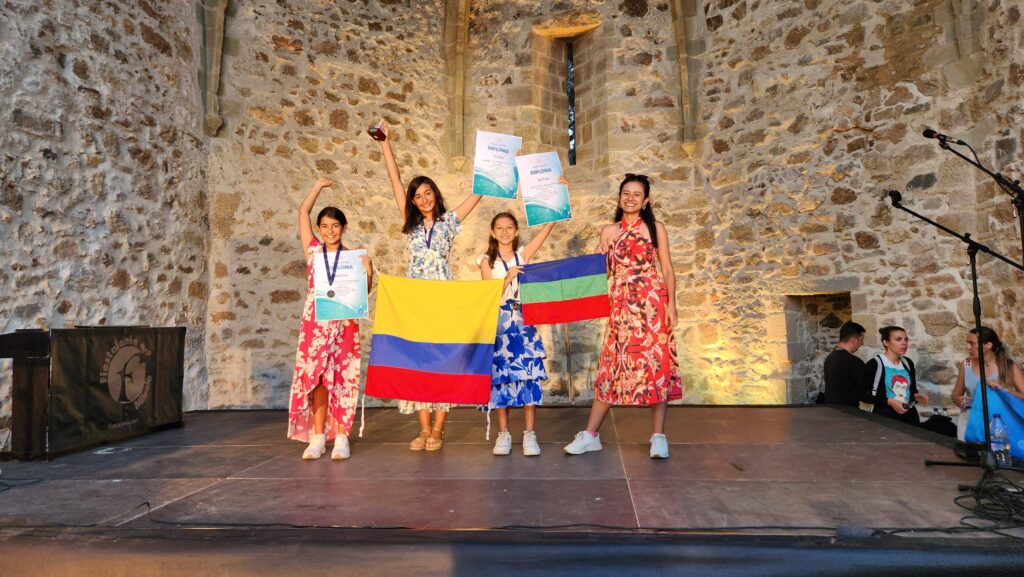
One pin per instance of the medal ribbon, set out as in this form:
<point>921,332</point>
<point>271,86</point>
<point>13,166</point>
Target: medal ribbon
<point>331,271</point>
<point>516,255</point>
<point>430,233</point>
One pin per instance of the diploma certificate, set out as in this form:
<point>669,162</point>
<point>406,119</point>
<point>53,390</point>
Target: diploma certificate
<point>346,297</point>
<point>544,198</point>
<point>494,166</point>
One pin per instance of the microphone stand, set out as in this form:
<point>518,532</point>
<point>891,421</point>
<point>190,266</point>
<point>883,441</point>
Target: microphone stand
<point>988,460</point>
<point>1012,188</point>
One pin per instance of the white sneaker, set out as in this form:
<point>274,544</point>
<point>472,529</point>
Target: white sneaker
<point>530,446</point>
<point>341,450</point>
<point>584,443</point>
<point>659,446</point>
<point>316,447</point>
<point>503,445</point>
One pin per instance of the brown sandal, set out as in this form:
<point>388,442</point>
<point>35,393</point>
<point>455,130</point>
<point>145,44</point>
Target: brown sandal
<point>420,442</point>
<point>435,443</point>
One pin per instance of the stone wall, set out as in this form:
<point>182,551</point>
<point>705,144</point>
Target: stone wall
<point>804,113</point>
<point>770,146</point>
<point>103,210</point>
<point>814,110</point>
<point>301,83</point>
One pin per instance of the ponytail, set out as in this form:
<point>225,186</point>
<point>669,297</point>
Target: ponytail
<point>1003,361</point>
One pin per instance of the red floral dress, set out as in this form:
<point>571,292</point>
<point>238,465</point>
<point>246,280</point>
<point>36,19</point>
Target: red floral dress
<point>329,353</point>
<point>638,363</point>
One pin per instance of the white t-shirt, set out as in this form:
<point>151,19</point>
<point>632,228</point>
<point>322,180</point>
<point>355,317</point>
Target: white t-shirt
<point>500,269</point>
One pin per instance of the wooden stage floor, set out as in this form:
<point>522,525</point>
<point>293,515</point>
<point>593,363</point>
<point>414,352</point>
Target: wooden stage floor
<point>765,472</point>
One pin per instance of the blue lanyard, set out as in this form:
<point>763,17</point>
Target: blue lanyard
<point>516,255</point>
<point>430,233</point>
<point>331,271</point>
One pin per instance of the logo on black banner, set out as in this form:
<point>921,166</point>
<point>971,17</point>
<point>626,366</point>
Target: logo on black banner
<point>124,372</point>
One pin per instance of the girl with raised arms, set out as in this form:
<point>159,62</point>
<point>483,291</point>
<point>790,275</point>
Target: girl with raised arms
<point>430,229</point>
<point>638,363</point>
<point>518,366</point>
<point>325,386</point>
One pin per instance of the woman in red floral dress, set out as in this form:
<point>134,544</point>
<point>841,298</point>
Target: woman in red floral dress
<point>638,363</point>
<point>325,387</point>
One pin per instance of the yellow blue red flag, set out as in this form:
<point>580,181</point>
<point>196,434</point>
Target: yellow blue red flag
<point>433,341</point>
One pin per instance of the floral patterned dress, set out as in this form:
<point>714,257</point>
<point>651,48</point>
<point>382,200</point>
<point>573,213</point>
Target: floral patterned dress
<point>638,363</point>
<point>518,365</point>
<point>429,250</point>
<point>328,353</point>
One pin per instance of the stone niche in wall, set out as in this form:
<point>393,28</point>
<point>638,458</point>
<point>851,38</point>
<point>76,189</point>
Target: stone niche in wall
<point>549,104</point>
<point>811,330</point>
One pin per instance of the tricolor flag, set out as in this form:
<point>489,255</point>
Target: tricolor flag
<point>433,341</point>
<point>565,290</point>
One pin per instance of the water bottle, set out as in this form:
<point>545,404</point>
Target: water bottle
<point>1000,440</point>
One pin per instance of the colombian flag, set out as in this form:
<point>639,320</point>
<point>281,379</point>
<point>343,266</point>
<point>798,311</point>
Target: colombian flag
<point>565,290</point>
<point>433,341</point>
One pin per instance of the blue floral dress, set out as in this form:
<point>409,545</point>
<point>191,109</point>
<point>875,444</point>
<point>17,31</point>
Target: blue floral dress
<point>429,250</point>
<point>518,366</point>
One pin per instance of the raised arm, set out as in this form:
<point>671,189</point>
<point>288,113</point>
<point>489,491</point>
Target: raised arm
<point>467,206</point>
<point>538,239</point>
<point>305,226</point>
<point>667,272</point>
<point>392,165</point>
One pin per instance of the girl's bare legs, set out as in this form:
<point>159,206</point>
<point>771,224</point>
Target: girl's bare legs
<point>529,417</point>
<point>597,412</point>
<point>502,419</point>
<point>658,413</point>
<point>319,409</point>
<point>424,421</point>
<point>438,427</point>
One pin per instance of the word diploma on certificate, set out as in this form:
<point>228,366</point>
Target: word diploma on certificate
<point>339,285</point>
<point>544,198</point>
<point>494,166</point>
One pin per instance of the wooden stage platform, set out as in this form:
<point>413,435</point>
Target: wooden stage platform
<point>228,486</point>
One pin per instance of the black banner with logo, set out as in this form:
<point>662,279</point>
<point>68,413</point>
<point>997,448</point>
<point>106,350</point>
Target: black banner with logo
<point>108,383</point>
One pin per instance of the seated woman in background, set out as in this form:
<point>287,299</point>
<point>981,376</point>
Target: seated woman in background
<point>1000,373</point>
<point>890,381</point>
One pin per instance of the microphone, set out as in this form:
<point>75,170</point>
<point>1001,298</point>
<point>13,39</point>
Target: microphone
<point>929,133</point>
<point>895,197</point>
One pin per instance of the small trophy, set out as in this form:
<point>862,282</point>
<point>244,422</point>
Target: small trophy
<point>377,131</point>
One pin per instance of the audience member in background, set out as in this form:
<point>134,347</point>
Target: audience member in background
<point>1000,373</point>
<point>890,381</point>
<point>843,368</point>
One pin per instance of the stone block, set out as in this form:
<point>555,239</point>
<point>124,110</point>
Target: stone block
<point>796,350</point>
<point>962,73</point>
<point>35,124</point>
<point>938,324</point>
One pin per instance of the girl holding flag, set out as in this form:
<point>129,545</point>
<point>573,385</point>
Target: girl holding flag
<point>638,363</point>
<point>518,366</point>
<point>430,229</point>
<point>325,386</point>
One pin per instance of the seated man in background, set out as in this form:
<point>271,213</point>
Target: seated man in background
<point>843,369</point>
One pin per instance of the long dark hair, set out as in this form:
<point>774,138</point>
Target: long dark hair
<point>413,217</point>
<point>492,243</point>
<point>1003,360</point>
<point>646,213</point>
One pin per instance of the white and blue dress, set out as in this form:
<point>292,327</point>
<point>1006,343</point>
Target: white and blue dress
<point>518,365</point>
